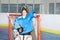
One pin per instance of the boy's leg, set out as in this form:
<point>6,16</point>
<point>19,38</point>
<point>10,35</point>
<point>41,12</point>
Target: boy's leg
<point>27,37</point>
<point>17,36</point>
<point>34,37</point>
<point>20,37</point>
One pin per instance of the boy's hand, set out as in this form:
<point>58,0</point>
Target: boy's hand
<point>35,15</point>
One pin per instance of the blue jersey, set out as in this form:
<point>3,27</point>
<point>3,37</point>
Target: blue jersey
<point>25,23</point>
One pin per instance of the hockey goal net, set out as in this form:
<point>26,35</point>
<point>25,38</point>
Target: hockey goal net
<point>35,21</point>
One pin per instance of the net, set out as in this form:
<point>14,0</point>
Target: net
<point>36,26</point>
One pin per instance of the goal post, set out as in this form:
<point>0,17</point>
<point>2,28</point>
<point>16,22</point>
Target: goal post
<point>10,24</point>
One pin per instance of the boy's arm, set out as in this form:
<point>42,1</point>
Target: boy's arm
<point>16,25</point>
<point>35,15</point>
<point>30,15</point>
<point>16,28</point>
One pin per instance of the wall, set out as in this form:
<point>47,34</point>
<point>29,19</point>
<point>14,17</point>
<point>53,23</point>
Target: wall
<point>21,1</point>
<point>4,18</point>
<point>50,21</point>
<point>47,20</point>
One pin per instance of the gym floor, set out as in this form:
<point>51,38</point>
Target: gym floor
<point>44,35</point>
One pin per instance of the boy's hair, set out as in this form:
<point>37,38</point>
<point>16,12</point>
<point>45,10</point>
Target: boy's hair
<point>23,8</point>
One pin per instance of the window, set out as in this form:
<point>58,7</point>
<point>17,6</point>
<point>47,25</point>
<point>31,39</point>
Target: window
<point>36,8</point>
<point>0,5</point>
<point>54,8</point>
<point>13,8</point>
<point>51,8</point>
<point>0,8</point>
<point>16,8</point>
<point>58,8</point>
<point>19,7</point>
<point>30,7</point>
<point>4,8</point>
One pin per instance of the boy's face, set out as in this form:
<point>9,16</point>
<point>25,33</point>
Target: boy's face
<point>24,12</point>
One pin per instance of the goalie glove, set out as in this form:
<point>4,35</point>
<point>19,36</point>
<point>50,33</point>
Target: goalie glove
<point>15,33</point>
<point>20,30</point>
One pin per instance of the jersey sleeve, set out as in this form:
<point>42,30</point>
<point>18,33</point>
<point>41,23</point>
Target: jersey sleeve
<point>15,24</point>
<point>30,15</point>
